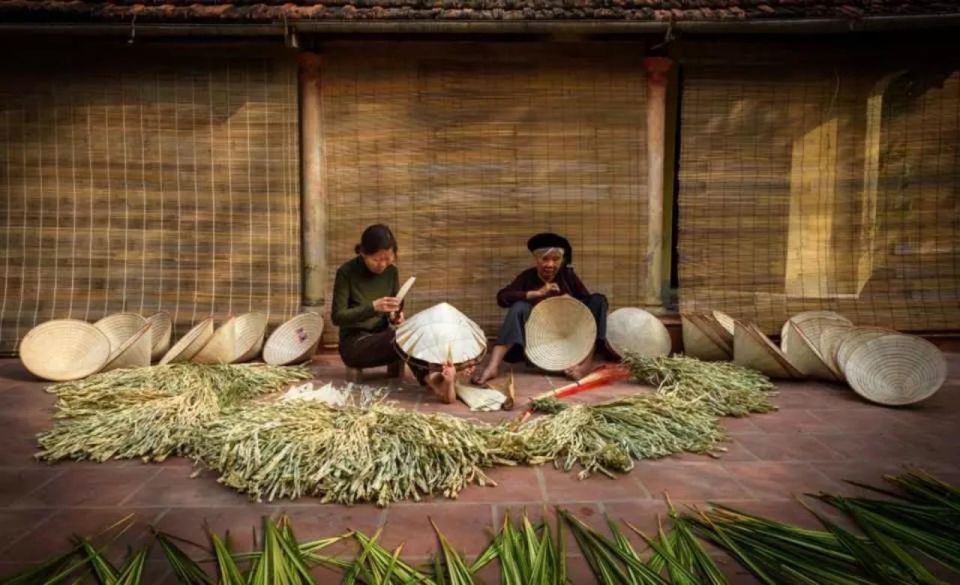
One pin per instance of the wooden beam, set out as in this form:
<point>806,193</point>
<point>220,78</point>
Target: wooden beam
<point>313,192</point>
<point>656,68</point>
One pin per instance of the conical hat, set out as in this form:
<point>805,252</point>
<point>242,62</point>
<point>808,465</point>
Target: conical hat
<point>560,333</point>
<point>811,323</point>
<point>806,358</point>
<point>831,336</point>
<point>294,341</point>
<point>432,335</point>
<point>191,343</point>
<point>753,349</point>
<point>728,323</point>
<point>133,353</point>
<point>896,369</point>
<point>64,349</point>
<point>853,339</point>
<point>698,343</point>
<point>119,327</point>
<point>638,332</point>
<point>220,349</point>
<point>160,330</point>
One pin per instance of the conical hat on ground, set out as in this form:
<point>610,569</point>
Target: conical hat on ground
<point>64,349</point>
<point>560,333</point>
<point>119,327</point>
<point>853,339</point>
<point>896,369</point>
<point>133,353</point>
<point>294,341</point>
<point>807,359</point>
<point>237,340</point>
<point>699,341</point>
<point>191,343</point>
<point>728,323</point>
<point>160,331</point>
<point>433,334</point>
<point>753,349</point>
<point>831,336</point>
<point>811,323</point>
<point>637,331</point>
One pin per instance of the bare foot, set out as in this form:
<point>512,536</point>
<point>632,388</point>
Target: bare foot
<point>443,383</point>
<point>580,370</point>
<point>488,373</point>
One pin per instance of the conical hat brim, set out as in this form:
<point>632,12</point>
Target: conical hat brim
<point>753,349</point>
<point>560,333</point>
<point>896,369</point>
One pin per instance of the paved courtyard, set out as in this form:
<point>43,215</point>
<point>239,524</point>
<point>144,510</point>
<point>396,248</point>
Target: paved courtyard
<point>821,435</point>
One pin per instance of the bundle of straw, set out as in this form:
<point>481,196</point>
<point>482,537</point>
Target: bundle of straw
<point>608,437</point>
<point>722,388</point>
<point>152,412</point>
<point>382,453</point>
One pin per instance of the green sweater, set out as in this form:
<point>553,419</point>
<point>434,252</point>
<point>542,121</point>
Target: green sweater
<point>354,291</point>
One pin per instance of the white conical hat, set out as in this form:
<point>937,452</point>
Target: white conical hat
<point>161,329</point>
<point>753,349</point>
<point>132,353</point>
<point>896,369</point>
<point>191,343</point>
<point>811,323</point>
<point>807,358</point>
<point>560,333</point>
<point>438,332</point>
<point>701,341</point>
<point>637,331</point>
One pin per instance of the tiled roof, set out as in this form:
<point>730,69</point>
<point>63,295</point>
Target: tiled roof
<point>489,10</point>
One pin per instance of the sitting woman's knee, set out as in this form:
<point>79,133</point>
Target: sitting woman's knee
<point>520,308</point>
<point>596,300</point>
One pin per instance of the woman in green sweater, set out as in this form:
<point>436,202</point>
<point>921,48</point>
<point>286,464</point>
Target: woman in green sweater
<point>365,306</point>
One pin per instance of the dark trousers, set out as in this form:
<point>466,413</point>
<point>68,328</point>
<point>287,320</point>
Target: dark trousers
<point>512,332</point>
<point>370,350</point>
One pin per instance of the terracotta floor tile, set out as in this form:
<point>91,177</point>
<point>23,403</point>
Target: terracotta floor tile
<point>173,486</point>
<point>884,447</point>
<point>194,524</point>
<point>514,484</point>
<point>770,480</point>
<point>787,447</point>
<point>16,523</point>
<point>688,481</point>
<point>89,486</point>
<point>790,421</point>
<point>739,425</point>
<point>466,526</point>
<point>732,450</point>
<point>872,420</point>
<point>53,536</point>
<point>17,482</point>
<point>641,515</point>
<point>330,520</point>
<point>566,487</point>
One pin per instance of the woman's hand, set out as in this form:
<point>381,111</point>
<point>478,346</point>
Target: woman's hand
<point>386,305</point>
<point>547,290</point>
<point>397,318</point>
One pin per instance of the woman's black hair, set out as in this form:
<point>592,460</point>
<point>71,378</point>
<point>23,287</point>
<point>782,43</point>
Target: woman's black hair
<point>375,238</point>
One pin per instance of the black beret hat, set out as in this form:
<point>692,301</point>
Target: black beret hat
<point>551,240</point>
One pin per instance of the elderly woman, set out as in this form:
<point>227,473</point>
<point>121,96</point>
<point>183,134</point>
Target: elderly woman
<point>551,275</point>
<point>365,305</point>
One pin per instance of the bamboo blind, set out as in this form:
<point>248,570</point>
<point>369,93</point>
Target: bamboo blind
<point>821,187</point>
<point>466,150</point>
<point>144,182</point>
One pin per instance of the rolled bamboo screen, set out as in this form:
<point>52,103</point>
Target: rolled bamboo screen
<point>821,188</point>
<point>466,150</point>
<point>145,181</point>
